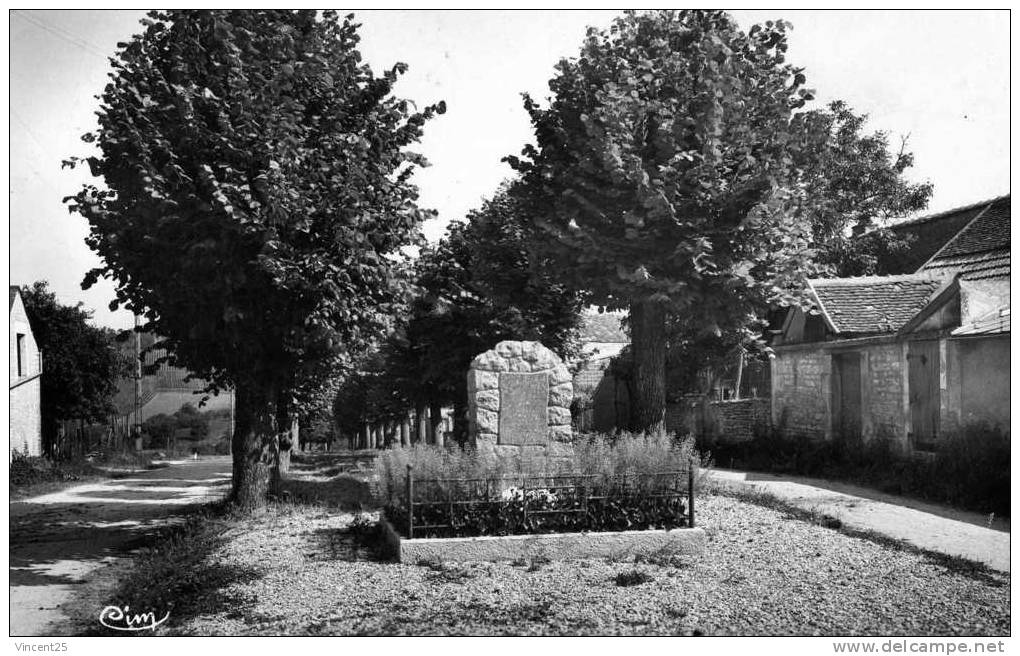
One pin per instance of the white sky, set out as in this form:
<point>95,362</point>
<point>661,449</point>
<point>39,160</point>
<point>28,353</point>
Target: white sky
<point>942,77</point>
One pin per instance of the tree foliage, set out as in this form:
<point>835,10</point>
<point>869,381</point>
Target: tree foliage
<point>81,362</point>
<point>481,284</point>
<point>677,170</point>
<point>256,199</point>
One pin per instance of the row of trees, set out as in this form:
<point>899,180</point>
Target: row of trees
<point>257,210</point>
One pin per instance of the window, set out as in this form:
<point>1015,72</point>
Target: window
<point>21,355</point>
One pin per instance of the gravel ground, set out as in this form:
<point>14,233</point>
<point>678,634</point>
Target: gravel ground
<point>763,572</point>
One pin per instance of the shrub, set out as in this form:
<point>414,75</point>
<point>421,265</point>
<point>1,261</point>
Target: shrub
<point>603,456</point>
<point>969,468</point>
<point>618,484</point>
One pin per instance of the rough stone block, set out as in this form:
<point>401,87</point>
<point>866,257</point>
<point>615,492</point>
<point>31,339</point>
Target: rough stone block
<point>487,421</point>
<point>560,434</point>
<point>559,416</point>
<point>487,400</point>
<point>559,375</point>
<point>561,395</point>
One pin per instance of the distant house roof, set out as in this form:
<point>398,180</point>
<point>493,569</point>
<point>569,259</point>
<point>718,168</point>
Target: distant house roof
<point>872,304</point>
<point>604,328</point>
<point>981,249</point>
<point>930,233</point>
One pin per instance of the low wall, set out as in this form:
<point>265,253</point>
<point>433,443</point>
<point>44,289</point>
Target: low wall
<point>554,546</point>
<point>725,421</point>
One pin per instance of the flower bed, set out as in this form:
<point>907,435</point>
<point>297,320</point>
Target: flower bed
<point>541,504</point>
<point>625,483</point>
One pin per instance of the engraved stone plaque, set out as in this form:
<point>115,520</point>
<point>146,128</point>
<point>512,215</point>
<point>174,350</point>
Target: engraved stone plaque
<point>523,403</point>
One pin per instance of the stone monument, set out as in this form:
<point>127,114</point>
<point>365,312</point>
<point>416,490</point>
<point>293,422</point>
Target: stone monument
<point>519,395</point>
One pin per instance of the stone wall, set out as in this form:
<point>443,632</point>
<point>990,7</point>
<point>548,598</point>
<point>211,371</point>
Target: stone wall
<point>485,405</point>
<point>725,421</point>
<point>800,392</point>
<point>883,374</point>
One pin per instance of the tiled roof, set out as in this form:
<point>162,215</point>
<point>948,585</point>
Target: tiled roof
<point>977,266</point>
<point>927,235</point>
<point>987,232</point>
<point>981,249</point>
<point>873,304</point>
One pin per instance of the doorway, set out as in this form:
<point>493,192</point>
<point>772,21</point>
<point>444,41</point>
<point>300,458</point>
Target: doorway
<point>846,396</point>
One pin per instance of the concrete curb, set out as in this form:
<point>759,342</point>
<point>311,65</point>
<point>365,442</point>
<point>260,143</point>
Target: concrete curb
<point>553,546</point>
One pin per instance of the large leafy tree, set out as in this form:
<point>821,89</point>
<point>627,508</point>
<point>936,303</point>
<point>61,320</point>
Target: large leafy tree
<point>256,202</point>
<point>82,364</point>
<point>673,174</point>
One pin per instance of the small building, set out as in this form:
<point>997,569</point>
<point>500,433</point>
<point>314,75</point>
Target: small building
<point>906,357</point>
<point>25,378</point>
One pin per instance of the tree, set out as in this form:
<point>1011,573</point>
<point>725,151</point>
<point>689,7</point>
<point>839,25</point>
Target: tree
<point>81,367</point>
<point>673,173</point>
<point>480,285</point>
<point>256,203</point>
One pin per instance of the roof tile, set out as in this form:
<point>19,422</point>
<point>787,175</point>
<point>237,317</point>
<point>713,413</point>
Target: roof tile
<point>876,304</point>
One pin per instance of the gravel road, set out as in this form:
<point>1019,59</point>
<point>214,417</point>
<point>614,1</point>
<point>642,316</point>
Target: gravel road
<point>57,539</point>
<point>763,573</point>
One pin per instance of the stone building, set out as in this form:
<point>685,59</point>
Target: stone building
<point>25,370</point>
<point>908,357</point>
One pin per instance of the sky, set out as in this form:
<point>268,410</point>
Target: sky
<point>939,77</point>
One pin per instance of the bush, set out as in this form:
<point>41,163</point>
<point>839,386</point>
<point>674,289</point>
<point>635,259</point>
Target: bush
<point>31,470</point>
<point>605,484</point>
<point>969,469</point>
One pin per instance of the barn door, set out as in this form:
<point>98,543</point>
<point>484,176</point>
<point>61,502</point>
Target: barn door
<point>846,396</point>
<point>923,389</point>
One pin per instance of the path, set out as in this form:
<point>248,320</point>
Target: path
<point>57,539</point>
<point>925,525</point>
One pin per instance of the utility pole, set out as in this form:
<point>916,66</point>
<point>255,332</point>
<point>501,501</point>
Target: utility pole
<point>137,428</point>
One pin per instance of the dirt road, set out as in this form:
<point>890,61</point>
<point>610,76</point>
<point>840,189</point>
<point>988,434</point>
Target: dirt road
<point>57,539</point>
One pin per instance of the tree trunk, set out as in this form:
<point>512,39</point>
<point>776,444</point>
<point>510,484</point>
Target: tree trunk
<point>740,374</point>
<point>436,423</point>
<point>252,442</point>
<point>648,336</point>
<point>362,439</point>
<point>405,432</point>
<point>418,436</point>
<point>460,423</point>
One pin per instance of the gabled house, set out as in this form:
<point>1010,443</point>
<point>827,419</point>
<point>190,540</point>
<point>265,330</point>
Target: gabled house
<point>25,370</point>
<point>906,357</point>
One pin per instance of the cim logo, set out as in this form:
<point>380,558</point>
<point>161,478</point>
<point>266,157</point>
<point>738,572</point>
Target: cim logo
<point>113,617</point>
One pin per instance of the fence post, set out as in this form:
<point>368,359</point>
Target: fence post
<point>690,493</point>
<point>410,504</point>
